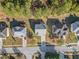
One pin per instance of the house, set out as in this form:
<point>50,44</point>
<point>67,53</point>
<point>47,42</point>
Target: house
<point>60,32</point>
<point>57,28</point>
<point>18,30</point>
<point>39,28</point>
<point>4,32</point>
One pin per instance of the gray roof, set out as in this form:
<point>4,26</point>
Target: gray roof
<point>18,28</point>
<point>74,26</point>
<point>40,26</point>
<point>3,34</point>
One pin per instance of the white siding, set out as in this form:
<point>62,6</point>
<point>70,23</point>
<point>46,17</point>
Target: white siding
<point>42,33</point>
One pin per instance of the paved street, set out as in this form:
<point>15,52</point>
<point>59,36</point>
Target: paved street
<point>29,51</point>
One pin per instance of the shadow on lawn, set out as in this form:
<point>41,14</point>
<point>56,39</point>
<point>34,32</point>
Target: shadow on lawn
<point>49,50</point>
<point>46,47</point>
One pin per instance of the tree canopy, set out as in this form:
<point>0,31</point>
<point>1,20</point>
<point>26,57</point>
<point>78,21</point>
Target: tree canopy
<point>38,8</point>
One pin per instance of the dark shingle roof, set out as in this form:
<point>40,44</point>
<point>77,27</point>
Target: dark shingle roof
<point>15,23</point>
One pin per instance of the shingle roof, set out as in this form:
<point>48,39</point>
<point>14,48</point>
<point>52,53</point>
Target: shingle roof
<point>15,23</point>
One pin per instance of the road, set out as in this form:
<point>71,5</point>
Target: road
<point>29,51</point>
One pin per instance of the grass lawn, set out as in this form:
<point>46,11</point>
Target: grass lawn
<point>35,41</point>
<point>51,55</point>
<point>10,42</point>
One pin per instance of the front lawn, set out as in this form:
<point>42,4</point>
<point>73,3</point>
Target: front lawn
<point>33,42</point>
<point>49,55</point>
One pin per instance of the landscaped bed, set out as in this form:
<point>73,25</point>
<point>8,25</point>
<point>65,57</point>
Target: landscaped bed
<point>49,55</point>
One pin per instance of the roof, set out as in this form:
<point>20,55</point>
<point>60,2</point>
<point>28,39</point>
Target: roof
<point>40,26</point>
<point>19,32</point>
<point>36,24</point>
<point>54,22</point>
<point>3,30</point>
<point>60,31</point>
<point>15,23</point>
<point>74,26</point>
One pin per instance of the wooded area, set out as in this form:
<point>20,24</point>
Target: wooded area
<point>39,8</point>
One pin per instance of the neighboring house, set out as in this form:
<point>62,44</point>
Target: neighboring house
<point>75,28</point>
<point>18,30</point>
<point>57,28</point>
<point>60,32</point>
<point>4,32</point>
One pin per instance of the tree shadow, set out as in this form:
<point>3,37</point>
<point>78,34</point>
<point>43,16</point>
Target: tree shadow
<point>16,51</point>
<point>20,3</point>
<point>36,55</point>
<point>33,22</point>
<point>11,57</point>
<point>66,56</point>
<point>48,48</point>
<point>36,5</point>
<point>4,52</point>
<point>29,34</point>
